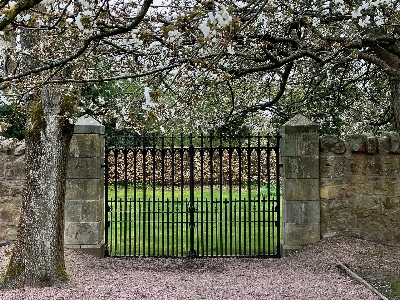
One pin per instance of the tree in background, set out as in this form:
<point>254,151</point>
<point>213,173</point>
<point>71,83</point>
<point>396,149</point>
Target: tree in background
<point>13,119</point>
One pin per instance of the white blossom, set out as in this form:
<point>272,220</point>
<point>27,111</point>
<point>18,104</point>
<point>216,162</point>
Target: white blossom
<point>27,17</point>
<point>230,50</point>
<point>174,35</point>
<point>204,29</point>
<point>357,13</point>
<point>78,22</point>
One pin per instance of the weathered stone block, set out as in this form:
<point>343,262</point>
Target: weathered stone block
<point>330,192</point>
<point>87,145</point>
<point>83,210</point>
<point>394,141</point>
<point>4,189</point>
<point>91,210</point>
<point>82,233</point>
<point>300,234</point>
<point>372,144</point>
<point>301,167</point>
<point>390,166</point>
<point>84,167</point>
<point>84,189</point>
<point>20,148</point>
<point>302,212</point>
<point>386,188</point>
<point>383,144</point>
<point>334,166</point>
<point>300,189</point>
<point>391,203</point>
<point>331,143</point>
<point>357,142</point>
<point>300,145</point>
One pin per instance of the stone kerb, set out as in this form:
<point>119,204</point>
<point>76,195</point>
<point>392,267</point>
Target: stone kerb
<point>300,184</point>
<point>84,205</point>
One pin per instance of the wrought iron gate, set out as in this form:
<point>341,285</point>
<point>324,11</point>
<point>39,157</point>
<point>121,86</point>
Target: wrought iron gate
<point>192,196</point>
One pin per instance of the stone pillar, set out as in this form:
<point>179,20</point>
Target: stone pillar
<point>300,184</point>
<point>84,201</point>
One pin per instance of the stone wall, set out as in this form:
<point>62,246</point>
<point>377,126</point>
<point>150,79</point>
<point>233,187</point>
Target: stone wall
<point>12,175</point>
<point>336,187</point>
<point>360,187</point>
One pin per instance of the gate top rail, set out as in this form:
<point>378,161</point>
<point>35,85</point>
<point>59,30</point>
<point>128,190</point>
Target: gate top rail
<point>124,141</point>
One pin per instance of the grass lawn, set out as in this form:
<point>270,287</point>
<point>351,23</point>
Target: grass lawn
<point>157,223</point>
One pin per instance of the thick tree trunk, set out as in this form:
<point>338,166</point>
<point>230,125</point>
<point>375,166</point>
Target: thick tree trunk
<point>395,90</point>
<point>38,255</point>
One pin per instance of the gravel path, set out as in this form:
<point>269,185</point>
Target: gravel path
<point>307,274</point>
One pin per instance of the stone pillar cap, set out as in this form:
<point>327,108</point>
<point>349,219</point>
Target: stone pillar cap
<point>299,124</point>
<point>87,124</point>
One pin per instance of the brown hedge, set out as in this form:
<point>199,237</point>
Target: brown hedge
<point>233,167</point>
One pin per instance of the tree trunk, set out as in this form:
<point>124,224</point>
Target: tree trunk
<point>38,256</point>
<point>395,90</point>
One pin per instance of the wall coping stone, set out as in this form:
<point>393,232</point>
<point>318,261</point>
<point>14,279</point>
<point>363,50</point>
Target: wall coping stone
<point>388,142</point>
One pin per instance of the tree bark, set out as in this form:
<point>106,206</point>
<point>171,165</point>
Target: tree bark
<point>392,60</point>
<point>395,91</point>
<point>38,256</point>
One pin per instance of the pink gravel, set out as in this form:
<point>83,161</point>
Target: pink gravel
<point>308,274</point>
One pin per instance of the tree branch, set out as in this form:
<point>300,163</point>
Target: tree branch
<point>9,15</point>
<point>129,26</point>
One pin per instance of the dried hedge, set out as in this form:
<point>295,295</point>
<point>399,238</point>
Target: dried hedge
<point>163,168</point>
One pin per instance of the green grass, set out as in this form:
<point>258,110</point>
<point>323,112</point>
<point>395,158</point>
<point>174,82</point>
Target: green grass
<point>393,282</point>
<point>159,226</point>
<point>184,193</point>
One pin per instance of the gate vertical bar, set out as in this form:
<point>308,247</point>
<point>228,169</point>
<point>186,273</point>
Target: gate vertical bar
<point>249,150</point>
<point>221,153</point>
<point>125,220</point>
<point>106,204</point>
<point>173,195</point>
<point>183,217</point>
<point>240,194</point>
<point>192,252</point>
<point>259,194</point>
<point>162,194</point>
<point>202,196</point>
<point>231,218</point>
<point>269,193</point>
<point>278,198</point>
<point>153,223</point>
<point>136,234</point>
<point>115,198</point>
<point>211,194</point>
